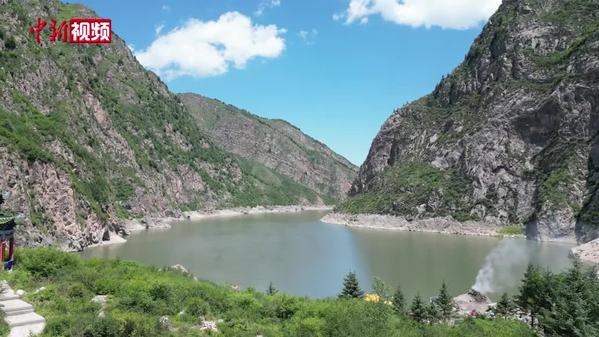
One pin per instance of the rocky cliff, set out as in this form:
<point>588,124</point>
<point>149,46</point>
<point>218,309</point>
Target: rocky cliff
<point>273,143</point>
<point>510,136</point>
<point>88,137</point>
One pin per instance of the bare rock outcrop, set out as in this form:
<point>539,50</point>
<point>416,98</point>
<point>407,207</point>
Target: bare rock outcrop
<point>510,136</point>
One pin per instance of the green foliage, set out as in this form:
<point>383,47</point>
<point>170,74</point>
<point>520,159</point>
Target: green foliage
<point>515,229</point>
<point>418,310</point>
<point>381,289</point>
<point>555,186</point>
<point>351,287</point>
<point>404,187</point>
<point>505,306</point>
<point>565,303</point>
<point>399,301</point>
<point>4,328</point>
<point>263,186</point>
<point>138,296</point>
<point>46,262</point>
<point>560,57</point>
<point>10,43</point>
<point>444,302</point>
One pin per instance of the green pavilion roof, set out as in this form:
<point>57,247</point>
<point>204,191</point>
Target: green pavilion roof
<point>8,221</point>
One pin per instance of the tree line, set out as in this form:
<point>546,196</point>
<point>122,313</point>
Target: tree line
<point>552,304</point>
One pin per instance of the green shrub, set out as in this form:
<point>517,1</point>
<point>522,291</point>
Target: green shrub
<point>10,43</point>
<point>196,307</point>
<point>515,229</point>
<point>139,296</point>
<point>46,262</point>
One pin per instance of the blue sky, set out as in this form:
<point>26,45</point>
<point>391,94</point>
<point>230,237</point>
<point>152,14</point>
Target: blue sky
<point>335,68</point>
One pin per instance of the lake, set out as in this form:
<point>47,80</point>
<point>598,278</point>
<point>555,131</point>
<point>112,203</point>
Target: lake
<point>306,257</point>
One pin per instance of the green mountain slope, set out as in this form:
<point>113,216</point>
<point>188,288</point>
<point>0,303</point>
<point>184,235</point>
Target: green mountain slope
<point>89,137</point>
<point>275,144</point>
<point>510,136</point>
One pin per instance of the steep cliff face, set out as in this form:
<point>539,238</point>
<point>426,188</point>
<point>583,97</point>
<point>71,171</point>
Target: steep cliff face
<point>510,136</point>
<point>88,137</point>
<point>275,144</point>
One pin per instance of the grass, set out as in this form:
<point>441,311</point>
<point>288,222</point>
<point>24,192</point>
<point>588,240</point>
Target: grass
<point>511,230</point>
<point>139,295</point>
<point>409,185</point>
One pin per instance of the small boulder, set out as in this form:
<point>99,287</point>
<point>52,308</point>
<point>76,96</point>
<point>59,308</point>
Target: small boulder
<point>472,302</point>
<point>164,322</point>
<point>209,326</point>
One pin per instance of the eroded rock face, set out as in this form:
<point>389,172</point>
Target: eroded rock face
<point>517,121</point>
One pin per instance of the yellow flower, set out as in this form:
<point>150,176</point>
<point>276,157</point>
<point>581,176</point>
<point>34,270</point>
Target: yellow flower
<point>372,298</point>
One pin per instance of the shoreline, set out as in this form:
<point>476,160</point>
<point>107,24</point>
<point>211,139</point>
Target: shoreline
<point>587,252</point>
<point>441,225</point>
<point>132,226</point>
<point>241,211</point>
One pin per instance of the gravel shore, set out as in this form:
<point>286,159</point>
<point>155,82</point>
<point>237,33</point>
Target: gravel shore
<point>444,225</point>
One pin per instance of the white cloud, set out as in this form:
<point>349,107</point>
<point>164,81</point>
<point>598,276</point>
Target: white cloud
<point>166,8</point>
<point>452,14</point>
<point>158,29</point>
<point>308,36</point>
<point>265,4</point>
<point>208,48</point>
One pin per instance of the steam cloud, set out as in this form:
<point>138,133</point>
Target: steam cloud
<point>503,267</point>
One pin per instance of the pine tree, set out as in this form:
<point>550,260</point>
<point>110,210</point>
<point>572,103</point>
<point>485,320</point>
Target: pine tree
<point>418,311</point>
<point>351,287</point>
<point>399,302</point>
<point>504,307</point>
<point>271,289</point>
<point>444,302</point>
<point>433,313</point>
<point>531,292</point>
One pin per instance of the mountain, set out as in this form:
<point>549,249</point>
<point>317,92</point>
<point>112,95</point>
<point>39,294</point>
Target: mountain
<point>273,143</point>
<point>510,136</point>
<point>88,138</point>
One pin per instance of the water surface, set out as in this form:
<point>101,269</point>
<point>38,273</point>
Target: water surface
<point>306,257</point>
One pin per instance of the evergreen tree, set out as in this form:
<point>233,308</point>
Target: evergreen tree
<point>351,287</point>
<point>505,306</point>
<point>399,302</point>
<point>271,289</point>
<point>433,313</point>
<point>444,302</point>
<point>418,310</point>
<point>531,293</point>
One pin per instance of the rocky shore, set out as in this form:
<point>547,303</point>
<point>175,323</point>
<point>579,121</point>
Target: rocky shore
<point>588,252</point>
<point>445,225</point>
<point>199,215</point>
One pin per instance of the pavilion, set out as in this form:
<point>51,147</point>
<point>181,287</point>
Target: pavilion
<point>8,222</point>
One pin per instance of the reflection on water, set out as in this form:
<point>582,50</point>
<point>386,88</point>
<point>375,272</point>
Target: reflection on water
<point>304,256</point>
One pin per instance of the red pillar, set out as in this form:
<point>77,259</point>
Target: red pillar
<point>3,251</point>
<point>11,249</point>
